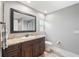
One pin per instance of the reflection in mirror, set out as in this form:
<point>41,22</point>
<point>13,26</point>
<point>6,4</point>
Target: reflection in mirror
<point>23,22</point>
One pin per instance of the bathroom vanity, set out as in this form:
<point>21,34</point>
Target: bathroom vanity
<point>32,46</point>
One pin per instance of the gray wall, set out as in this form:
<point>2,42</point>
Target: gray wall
<point>1,11</point>
<point>63,25</point>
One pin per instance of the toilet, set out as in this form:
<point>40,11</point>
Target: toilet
<point>48,46</point>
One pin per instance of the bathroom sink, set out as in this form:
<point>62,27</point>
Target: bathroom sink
<point>31,37</point>
<point>27,37</point>
<point>23,37</point>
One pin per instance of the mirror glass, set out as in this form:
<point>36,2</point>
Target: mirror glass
<point>23,22</point>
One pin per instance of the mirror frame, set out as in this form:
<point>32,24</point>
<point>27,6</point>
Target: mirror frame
<point>12,21</point>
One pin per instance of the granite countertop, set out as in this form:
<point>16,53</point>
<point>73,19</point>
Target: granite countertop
<point>22,39</point>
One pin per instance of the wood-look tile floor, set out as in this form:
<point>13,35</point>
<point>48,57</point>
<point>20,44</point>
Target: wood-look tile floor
<point>51,53</point>
<point>46,54</point>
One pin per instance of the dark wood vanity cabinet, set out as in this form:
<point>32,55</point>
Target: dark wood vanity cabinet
<point>32,48</point>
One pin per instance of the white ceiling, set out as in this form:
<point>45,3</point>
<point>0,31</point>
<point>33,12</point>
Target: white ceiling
<point>49,6</point>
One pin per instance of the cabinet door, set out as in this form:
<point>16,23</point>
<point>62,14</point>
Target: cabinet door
<point>36,49</point>
<point>26,51</point>
<point>42,46</point>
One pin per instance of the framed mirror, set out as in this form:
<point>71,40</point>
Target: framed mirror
<point>21,22</point>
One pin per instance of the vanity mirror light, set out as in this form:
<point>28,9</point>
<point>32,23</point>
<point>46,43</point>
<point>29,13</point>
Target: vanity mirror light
<point>21,22</point>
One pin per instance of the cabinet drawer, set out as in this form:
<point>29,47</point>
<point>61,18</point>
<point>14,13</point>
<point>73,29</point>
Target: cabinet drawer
<point>27,43</point>
<point>42,39</point>
<point>13,54</point>
<point>12,48</point>
<point>35,41</point>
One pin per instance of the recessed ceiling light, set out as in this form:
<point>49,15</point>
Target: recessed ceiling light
<point>28,1</point>
<point>45,11</point>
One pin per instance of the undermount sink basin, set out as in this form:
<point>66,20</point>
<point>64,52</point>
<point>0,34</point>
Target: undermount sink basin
<point>31,37</point>
<point>27,37</point>
<point>23,37</point>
